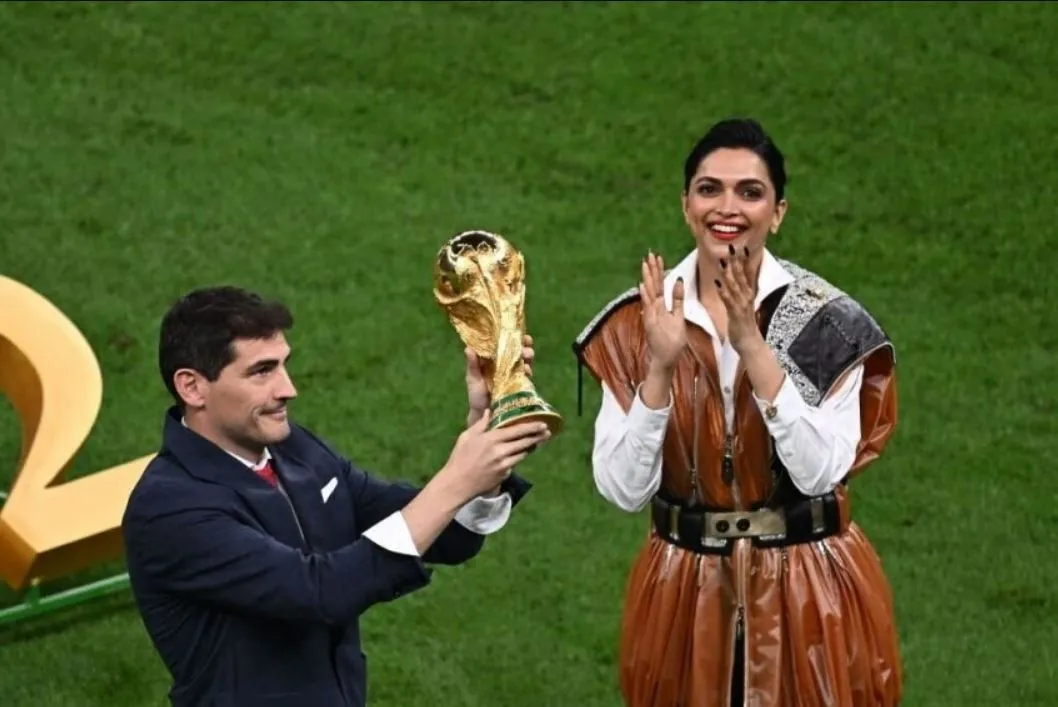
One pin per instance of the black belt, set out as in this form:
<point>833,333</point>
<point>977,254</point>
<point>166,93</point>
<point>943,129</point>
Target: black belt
<point>713,532</point>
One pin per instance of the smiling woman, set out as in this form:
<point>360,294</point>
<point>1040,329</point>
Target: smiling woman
<point>733,194</point>
<point>741,432</point>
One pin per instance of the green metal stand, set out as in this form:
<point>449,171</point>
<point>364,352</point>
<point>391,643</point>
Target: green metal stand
<point>33,604</point>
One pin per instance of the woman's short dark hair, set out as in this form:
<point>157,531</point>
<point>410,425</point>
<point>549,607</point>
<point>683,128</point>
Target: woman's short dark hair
<point>738,133</point>
<point>200,329</point>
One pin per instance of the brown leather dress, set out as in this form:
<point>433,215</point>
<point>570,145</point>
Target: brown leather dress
<point>816,618</point>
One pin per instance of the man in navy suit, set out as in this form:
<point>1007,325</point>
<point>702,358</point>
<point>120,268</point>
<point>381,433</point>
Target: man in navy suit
<point>253,547</point>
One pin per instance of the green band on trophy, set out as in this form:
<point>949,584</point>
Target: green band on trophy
<point>519,406</point>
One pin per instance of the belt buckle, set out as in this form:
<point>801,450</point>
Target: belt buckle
<point>720,524</point>
<point>743,524</point>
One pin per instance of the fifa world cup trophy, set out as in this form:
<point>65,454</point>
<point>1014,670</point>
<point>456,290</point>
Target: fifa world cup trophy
<point>479,281</point>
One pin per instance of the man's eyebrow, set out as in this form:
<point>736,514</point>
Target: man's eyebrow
<point>267,363</point>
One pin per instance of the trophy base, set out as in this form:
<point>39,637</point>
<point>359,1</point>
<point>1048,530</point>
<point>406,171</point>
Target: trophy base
<point>524,406</point>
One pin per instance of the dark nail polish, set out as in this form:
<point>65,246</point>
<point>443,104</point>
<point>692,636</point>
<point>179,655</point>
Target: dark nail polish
<point>745,249</point>
<point>723,263</point>
<point>730,249</point>
<point>718,285</point>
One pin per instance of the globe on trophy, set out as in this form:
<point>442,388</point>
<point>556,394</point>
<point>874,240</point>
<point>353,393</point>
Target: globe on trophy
<point>479,282</point>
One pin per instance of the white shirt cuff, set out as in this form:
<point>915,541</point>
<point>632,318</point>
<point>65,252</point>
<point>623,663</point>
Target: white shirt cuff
<point>645,419</point>
<point>485,515</point>
<point>788,407</point>
<point>392,533</point>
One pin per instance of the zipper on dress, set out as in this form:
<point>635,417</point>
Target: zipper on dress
<point>688,462</point>
<point>729,460</point>
<point>743,546</point>
<point>740,558</point>
<point>695,495</point>
<point>739,635</point>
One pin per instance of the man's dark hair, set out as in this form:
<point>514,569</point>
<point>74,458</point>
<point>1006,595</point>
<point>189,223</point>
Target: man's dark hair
<point>738,133</point>
<point>200,329</point>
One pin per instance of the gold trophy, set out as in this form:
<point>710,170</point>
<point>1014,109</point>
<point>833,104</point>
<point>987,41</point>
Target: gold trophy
<point>479,281</point>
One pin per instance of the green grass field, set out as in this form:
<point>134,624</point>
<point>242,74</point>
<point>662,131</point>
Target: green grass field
<point>322,153</point>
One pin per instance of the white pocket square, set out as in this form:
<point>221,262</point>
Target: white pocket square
<point>329,488</point>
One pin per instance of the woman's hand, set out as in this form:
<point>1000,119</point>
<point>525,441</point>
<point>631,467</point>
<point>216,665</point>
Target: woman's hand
<point>738,294</point>
<point>666,330</point>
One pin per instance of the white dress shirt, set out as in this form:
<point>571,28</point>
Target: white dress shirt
<point>483,515</point>
<point>816,444</point>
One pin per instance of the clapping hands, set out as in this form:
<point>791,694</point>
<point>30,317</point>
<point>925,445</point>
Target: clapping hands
<point>665,328</point>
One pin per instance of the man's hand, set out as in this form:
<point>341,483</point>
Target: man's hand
<point>481,460</point>
<point>477,391</point>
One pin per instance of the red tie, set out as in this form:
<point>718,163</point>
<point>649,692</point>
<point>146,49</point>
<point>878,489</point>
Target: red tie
<point>267,473</point>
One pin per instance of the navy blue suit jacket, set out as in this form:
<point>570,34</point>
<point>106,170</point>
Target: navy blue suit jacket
<point>245,607</point>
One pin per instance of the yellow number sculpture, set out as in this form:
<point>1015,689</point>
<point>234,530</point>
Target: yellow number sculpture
<point>49,527</point>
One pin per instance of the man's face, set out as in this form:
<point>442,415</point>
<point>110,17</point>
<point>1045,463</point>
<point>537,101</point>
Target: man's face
<point>245,408</point>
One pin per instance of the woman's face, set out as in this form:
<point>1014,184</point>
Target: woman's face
<point>732,202</point>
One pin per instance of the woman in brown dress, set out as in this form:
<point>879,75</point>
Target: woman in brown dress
<point>741,394</point>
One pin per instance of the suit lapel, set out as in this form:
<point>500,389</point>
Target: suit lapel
<point>303,489</point>
<point>272,510</point>
<point>208,462</point>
